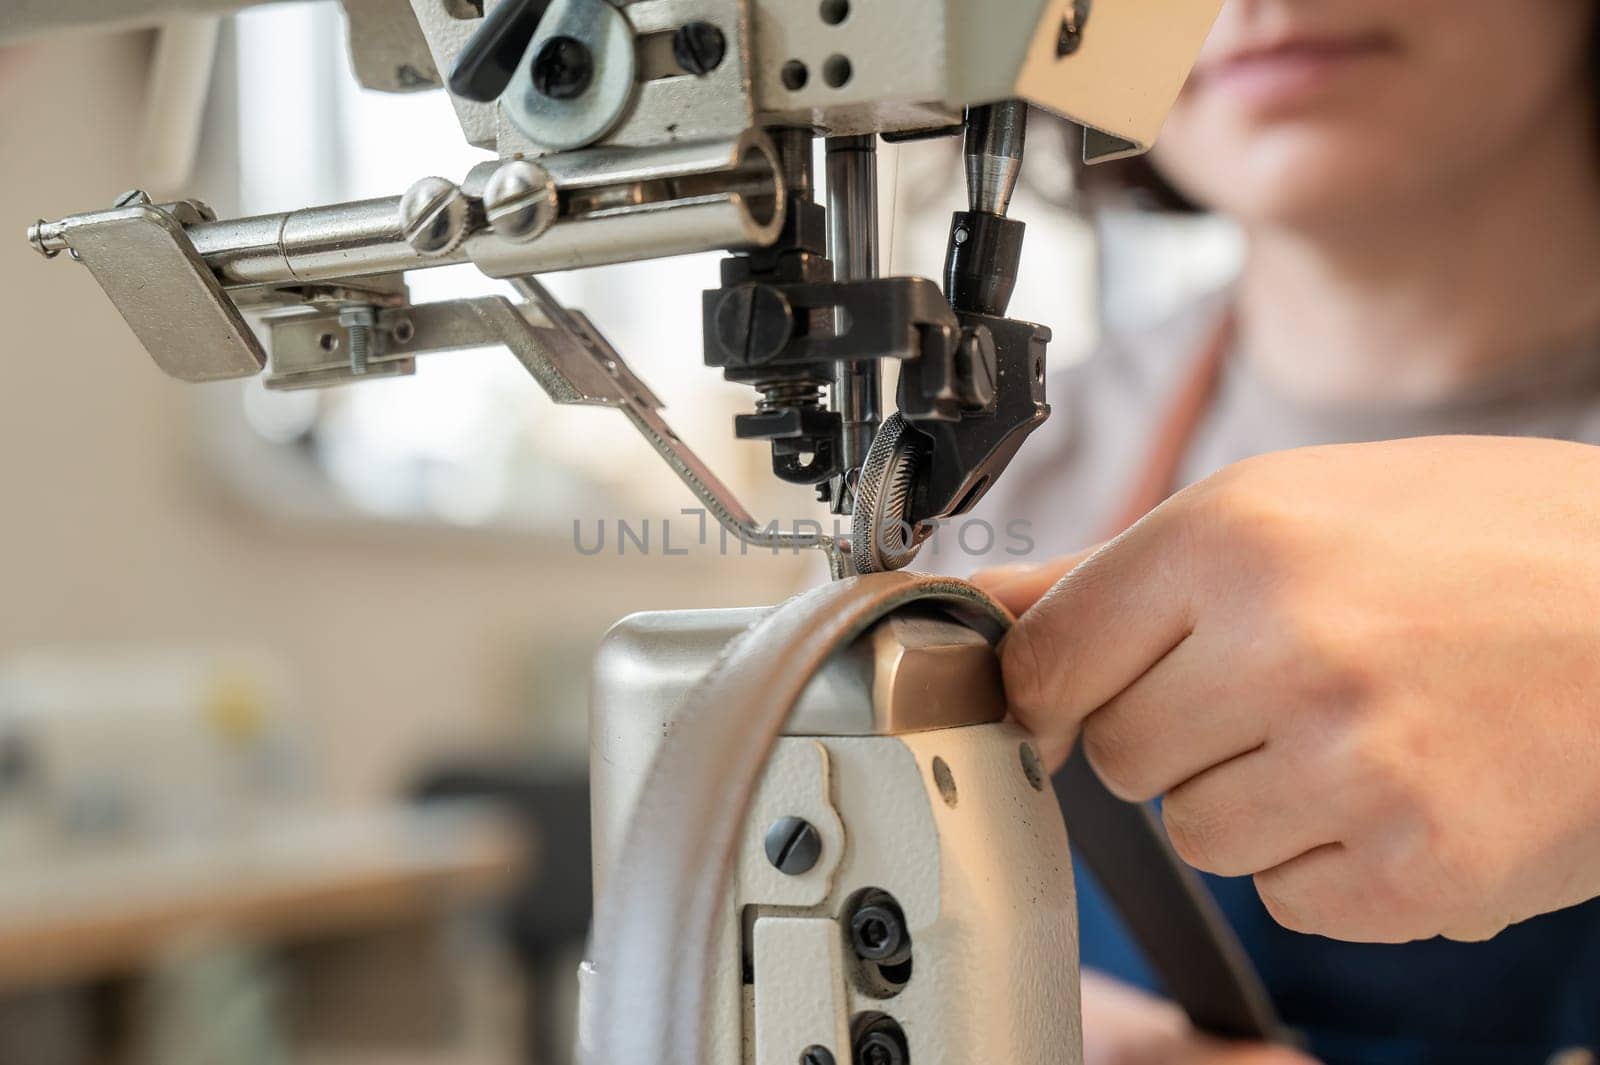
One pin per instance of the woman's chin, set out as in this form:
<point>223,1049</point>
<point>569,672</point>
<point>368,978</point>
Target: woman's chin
<point>1298,185</point>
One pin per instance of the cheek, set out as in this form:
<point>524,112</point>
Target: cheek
<point>1407,130</point>
<point>1493,72</point>
<point>1288,170</point>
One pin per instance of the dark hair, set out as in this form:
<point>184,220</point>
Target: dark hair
<point>1136,181</point>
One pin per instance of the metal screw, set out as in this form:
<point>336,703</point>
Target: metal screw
<point>877,1048</point>
<point>46,238</point>
<point>433,217</point>
<point>699,47</point>
<point>945,781</point>
<point>754,323</point>
<point>793,845</point>
<point>882,1042</point>
<point>878,932</point>
<point>358,319</point>
<point>520,200</point>
<point>1070,39</point>
<point>1032,768</point>
<point>563,68</point>
<point>816,1055</point>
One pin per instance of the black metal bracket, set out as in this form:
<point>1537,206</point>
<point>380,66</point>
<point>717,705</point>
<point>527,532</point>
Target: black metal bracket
<point>972,381</point>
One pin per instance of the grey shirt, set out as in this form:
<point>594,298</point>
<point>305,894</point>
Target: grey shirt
<point>1077,473</point>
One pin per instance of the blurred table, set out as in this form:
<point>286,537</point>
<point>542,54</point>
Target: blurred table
<point>303,876</point>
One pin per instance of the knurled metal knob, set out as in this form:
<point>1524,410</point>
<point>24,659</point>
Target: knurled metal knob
<point>434,217</point>
<point>520,201</point>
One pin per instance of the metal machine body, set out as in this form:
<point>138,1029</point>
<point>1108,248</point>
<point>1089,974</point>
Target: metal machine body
<point>896,794</point>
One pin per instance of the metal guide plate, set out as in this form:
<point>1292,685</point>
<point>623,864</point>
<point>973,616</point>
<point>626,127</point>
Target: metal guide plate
<point>165,292</point>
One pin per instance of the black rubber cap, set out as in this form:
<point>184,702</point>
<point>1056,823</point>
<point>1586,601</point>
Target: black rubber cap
<point>485,65</point>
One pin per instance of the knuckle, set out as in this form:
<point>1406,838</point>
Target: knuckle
<point>1288,908</point>
<point>1242,503</point>
<point>1278,546</point>
<point>1030,680</point>
<point>1200,834</point>
<point>1115,759</point>
<point>1022,667</point>
<point>1306,636</point>
<point>1475,929</point>
<point>1372,768</point>
<point>1391,882</point>
<point>1317,658</point>
<point>1397,905</point>
<point>1440,880</point>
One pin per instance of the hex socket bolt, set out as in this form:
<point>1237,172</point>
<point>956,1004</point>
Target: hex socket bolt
<point>882,1042</point>
<point>878,931</point>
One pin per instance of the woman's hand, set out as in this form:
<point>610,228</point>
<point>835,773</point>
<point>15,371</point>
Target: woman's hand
<point>1368,676</point>
<point>1125,1026</point>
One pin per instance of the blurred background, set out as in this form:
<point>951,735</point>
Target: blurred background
<point>292,686</point>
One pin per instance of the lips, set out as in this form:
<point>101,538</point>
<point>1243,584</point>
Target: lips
<point>1291,68</point>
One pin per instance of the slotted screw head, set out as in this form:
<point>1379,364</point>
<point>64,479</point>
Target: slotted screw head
<point>793,845</point>
<point>520,200</point>
<point>433,217</point>
<point>699,47</point>
<point>754,323</point>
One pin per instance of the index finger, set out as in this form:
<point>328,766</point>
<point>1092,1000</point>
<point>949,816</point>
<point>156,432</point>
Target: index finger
<point>1100,628</point>
<point>1017,588</point>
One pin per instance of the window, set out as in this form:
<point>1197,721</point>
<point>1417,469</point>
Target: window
<point>470,439</point>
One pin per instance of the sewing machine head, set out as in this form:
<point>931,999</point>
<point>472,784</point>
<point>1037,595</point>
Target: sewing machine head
<point>653,128</point>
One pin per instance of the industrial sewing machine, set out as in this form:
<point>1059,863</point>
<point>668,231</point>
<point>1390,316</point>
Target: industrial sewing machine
<point>817,839</point>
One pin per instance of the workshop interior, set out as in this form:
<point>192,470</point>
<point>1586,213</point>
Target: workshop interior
<point>414,413</point>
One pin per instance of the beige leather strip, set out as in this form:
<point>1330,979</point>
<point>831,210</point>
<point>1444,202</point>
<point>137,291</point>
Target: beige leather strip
<point>655,921</point>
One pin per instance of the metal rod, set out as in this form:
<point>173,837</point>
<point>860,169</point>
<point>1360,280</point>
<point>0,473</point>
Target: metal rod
<point>993,154</point>
<point>794,158</point>
<point>853,247</point>
<point>679,201</point>
<point>312,244</point>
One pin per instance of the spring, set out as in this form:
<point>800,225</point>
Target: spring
<point>781,395</point>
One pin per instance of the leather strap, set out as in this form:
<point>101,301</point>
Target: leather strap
<point>1165,905</point>
<point>1159,475</point>
<point>1184,936</point>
